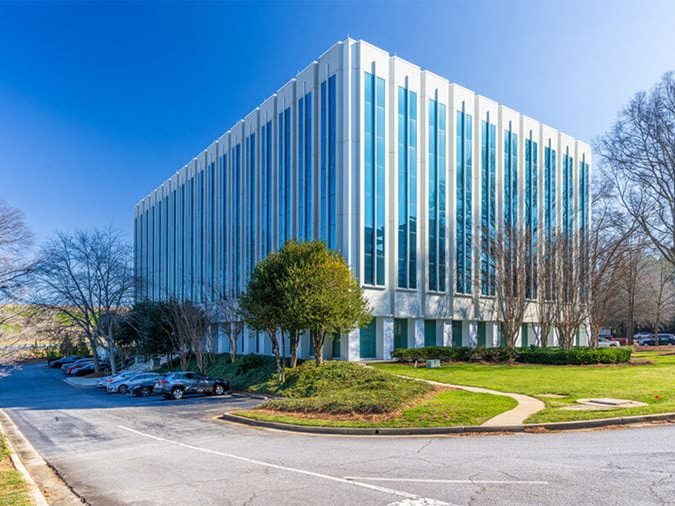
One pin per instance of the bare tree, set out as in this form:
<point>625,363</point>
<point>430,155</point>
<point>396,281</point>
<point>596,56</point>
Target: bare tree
<point>189,324</point>
<point>513,259</point>
<point>630,302</point>
<point>87,276</point>
<point>639,155</point>
<point>570,289</point>
<point>545,308</point>
<point>660,290</point>
<point>15,265</point>
<point>602,252</point>
<point>226,310</point>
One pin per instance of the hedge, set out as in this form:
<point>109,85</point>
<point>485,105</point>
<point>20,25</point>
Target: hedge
<point>532,355</point>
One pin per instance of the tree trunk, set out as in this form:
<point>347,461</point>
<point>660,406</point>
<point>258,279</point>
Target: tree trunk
<point>94,352</point>
<point>593,339</point>
<point>281,372</point>
<point>318,339</point>
<point>544,330</point>
<point>294,340</point>
<point>111,351</point>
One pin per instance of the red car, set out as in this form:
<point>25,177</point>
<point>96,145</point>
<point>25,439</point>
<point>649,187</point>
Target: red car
<point>621,340</point>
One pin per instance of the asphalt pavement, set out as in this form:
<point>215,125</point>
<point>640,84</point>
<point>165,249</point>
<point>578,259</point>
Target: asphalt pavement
<point>116,449</point>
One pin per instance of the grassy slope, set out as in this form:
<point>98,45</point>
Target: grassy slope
<point>13,490</point>
<point>347,394</point>
<point>650,383</point>
<point>241,377</point>
<point>445,409</point>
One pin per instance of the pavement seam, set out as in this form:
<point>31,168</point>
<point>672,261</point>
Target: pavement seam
<point>377,488</point>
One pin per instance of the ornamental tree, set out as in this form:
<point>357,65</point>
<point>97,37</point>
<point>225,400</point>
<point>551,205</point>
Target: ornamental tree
<point>320,293</point>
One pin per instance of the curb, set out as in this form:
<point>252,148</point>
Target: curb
<point>33,490</point>
<point>42,479</point>
<point>467,429</point>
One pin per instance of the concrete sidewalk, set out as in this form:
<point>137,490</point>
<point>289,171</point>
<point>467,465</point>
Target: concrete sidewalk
<point>527,406</point>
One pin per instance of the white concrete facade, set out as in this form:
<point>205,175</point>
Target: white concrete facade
<point>323,158</point>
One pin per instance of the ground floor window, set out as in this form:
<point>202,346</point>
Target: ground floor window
<point>482,334</point>
<point>336,345</point>
<point>400,333</point>
<point>368,339</point>
<point>457,333</point>
<point>429,332</point>
<point>525,338</point>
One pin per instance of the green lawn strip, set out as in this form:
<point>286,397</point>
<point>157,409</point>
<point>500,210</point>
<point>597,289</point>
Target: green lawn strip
<point>653,383</point>
<point>13,490</point>
<point>340,390</point>
<point>446,409</point>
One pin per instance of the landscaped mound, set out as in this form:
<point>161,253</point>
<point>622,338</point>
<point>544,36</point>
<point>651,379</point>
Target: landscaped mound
<point>333,388</point>
<point>553,356</point>
<point>342,388</point>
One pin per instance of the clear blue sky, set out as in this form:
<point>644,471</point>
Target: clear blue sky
<point>100,102</point>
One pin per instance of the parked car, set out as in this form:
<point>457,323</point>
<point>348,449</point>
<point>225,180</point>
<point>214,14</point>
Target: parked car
<point>139,379</point>
<point>658,340</point>
<point>603,342</point>
<point>178,384</point>
<point>59,362</point>
<point>641,335</point>
<point>105,380</point>
<point>121,385</point>
<point>82,370</point>
<point>144,388</point>
<point>68,366</point>
<point>623,341</point>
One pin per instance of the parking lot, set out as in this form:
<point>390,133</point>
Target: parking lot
<point>117,449</point>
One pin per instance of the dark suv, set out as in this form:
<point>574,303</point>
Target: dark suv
<point>178,384</point>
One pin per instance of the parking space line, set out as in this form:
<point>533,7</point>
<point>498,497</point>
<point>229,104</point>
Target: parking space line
<point>369,486</point>
<point>432,480</point>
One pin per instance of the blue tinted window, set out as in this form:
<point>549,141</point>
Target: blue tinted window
<point>407,193</point>
<point>224,222</point>
<point>374,226</point>
<point>549,190</point>
<point>236,218</point>
<point>568,194</point>
<point>284,175</point>
<point>488,207</point>
<point>328,161</point>
<point>463,223</point>
<point>305,168</point>
<point>437,200</point>
<point>251,194</point>
<point>531,210</point>
<point>510,180</point>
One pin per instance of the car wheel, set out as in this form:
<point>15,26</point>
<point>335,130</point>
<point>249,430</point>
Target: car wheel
<point>177,393</point>
<point>218,389</point>
<point>146,392</point>
<point>123,389</point>
<point>138,393</point>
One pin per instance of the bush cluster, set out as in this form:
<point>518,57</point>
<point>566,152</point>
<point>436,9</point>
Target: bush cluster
<point>532,355</point>
<point>342,388</point>
<point>251,361</point>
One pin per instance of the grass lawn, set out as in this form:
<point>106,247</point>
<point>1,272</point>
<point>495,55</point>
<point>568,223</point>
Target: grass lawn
<point>13,491</point>
<point>653,383</point>
<point>444,409</point>
<point>344,394</point>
